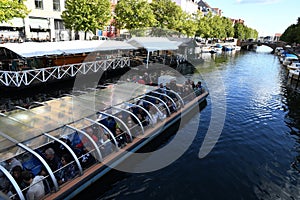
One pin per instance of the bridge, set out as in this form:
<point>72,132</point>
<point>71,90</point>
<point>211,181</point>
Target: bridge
<point>251,45</point>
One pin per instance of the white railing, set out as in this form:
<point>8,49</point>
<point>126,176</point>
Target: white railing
<point>27,77</point>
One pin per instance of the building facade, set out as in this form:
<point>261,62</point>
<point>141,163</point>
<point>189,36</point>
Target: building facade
<point>189,6</point>
<point>205,8</point>
<point>43,23</point>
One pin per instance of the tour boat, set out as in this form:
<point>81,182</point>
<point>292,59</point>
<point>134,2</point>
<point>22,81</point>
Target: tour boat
<point>29,63</point>
<point>68,143</point>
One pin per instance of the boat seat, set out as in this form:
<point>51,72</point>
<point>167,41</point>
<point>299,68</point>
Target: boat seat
<point>33,165</point>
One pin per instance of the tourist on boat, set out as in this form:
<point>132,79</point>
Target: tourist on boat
<point>12,162</point>
<point>85,142</point>
<point>142,116</point>
<point>86,159</point>
<point>36,189</point>
<point>62,148</point>
<point>110,123</point>
<point>67,171</point>
<point>171,106</point>
<point>162,88</point>
<point>120,137</point>
<point>106,145</point>
<point>154,115</point>
<point>5,186</point>
<point>198,88</point>
<point>52,159</point>
<point>16,173</point>
<point>135,130</point>
<point>193,84</point>
<point>118,124</point>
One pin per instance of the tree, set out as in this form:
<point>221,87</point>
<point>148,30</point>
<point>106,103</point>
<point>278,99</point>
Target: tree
<point>12,8</point>
<point>188,25</point>
<point>86,15</point>
<point>133,14</point>
<point>203,23</point>
<point>167,14</point>
<point>292,33</point>
<point>239,31</point>
<point>228,27</point>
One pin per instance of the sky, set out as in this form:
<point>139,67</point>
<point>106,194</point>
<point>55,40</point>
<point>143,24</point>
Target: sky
<point>266,16</point>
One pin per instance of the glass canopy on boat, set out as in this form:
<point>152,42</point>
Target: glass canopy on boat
<point>28,126</point>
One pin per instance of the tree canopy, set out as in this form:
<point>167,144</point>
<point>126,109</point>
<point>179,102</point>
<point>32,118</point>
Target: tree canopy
<point>134,14</point>
<point>12,8</point>
<point>86,15</point>
<point>292,33</point>
<point>167,14</point>
<point>243,32</point>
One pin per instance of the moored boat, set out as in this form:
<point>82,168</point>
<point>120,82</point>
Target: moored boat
<point>88,133</point>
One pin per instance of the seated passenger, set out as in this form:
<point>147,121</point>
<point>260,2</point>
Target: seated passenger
<point>85,142</point>
<point>62,148</point>
<point>36,189</point>
<point>12,162</point>
<point>110,123</point>
<point>52,159</point>
<point>86,159</point>
<point>120,137</point>
<point>106,145</point>
<point>198,88</point>
<point>16,172</point>
<point>171,106</point>
<point>67,171</point>
<point>163,115</point>
<point>142,116</point>
<point>132,126</point>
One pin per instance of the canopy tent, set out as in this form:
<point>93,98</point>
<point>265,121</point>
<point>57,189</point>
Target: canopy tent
<point>35,49</point>
<point>154,44</point>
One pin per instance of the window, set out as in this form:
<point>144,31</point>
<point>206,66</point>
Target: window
<point>59,25</point>
<point>38,4</point>
<point>56,5</point>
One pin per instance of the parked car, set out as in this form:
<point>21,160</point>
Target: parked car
<point>97,37</point>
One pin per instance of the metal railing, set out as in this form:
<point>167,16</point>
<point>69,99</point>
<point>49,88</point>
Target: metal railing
<point>27,77</point>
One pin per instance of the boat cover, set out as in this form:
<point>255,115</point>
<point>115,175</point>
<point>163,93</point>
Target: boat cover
<point>154,43</point>
<point>35,49</point>
<point>26,126</point>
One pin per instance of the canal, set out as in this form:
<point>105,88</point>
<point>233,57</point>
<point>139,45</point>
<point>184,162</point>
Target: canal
<point>247,142</point>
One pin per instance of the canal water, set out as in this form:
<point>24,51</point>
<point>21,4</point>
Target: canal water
<point>247,144</point>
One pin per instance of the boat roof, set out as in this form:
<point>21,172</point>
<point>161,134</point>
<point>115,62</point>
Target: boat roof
<point>25,126</point>
<point>35,49</point>
<point>290,55</point>
<point>154,43</point>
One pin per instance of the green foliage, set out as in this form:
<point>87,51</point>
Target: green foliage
<point>188,25</point>
<point>134,14</point>
<point>167,14</point>
<point>86,15</point>
<point>243,32</point>
<point>203,23</point>
<point>292,33</point>
<point>12,8</point>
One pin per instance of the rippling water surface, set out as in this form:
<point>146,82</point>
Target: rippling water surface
<point>257,153</point>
